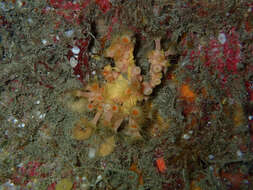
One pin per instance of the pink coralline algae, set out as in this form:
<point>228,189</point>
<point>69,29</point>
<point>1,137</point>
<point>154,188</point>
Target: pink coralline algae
<point>104,5</point>
<point>69,10</point>
<point>221,54</point>
<point>224,56</point>
<point>72,11</point>
<point>25,173</point>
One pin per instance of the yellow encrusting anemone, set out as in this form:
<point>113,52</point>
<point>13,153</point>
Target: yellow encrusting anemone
<point>120,98</point>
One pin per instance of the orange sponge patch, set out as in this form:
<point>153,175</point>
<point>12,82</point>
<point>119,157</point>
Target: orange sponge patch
<point>187,94</point>
<point>161,165</point>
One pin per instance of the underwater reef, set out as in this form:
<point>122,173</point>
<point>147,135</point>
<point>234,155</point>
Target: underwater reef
<point>117,95</point>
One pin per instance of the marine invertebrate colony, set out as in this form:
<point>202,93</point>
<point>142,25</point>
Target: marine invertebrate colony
<point>121,96</point>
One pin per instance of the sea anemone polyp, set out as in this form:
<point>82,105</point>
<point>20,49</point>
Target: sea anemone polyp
<point>122,94</point>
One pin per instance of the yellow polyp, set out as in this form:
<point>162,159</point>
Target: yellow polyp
<point>130,74</point>
<point>125,39</point>
<point>130,102</point>
<point>81,134</point>
<point>128,91</point>
<point>137,114</point>
<point>121,50</point>
<point>117,46</point>
<point>156,68</point>
<point>94,87</point>
<point>100,98</point>
<point>133,131</point>
<point>82,130</point>
<point>116,89</point>
<point>107,146</point>
<point>155,82</point>
<point>134,126</point>
<point>90,107</point>
<point>115,108</point>
<point>108,68</point>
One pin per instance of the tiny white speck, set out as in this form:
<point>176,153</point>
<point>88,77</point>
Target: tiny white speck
<point>239,153</point>
<point>8,185</point>
<point>186,136</point>
<point>99,178</point>
<point>78,76</point>
<point>93,72</point>
<point>14,120</point>
<point>92,152</point>
<point>21,125</point>
<point>211,168</point>
<point>73,62</point>
<point>10,118</point>
<point>69,33</point>
<point>84,178</point>
<point>190,132</point>
<point>37,102</point>
<point>227,14</point>
<point>222,38</point>
<point>184,63</point>
<point>30,20</point>
<point>156,11</point>
<point>57,37</point>
<point>44,41</point>
<point>20,165</point>
<point>211,156</point>
<point>48,8</point>
<point>20,4</point>
<point>38,113</point>
<point>76,50</point>
<point>2,5</point>
<point>250,117</point>
<point>41,116</point>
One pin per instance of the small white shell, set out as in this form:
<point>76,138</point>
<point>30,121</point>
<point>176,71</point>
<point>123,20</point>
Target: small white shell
<point>75,50</point>
<point>73,62</point>
<point>222,38</point>
<point>92,152</point>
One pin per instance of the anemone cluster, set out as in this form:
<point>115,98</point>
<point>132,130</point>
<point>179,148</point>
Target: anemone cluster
<point>120,98</point>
